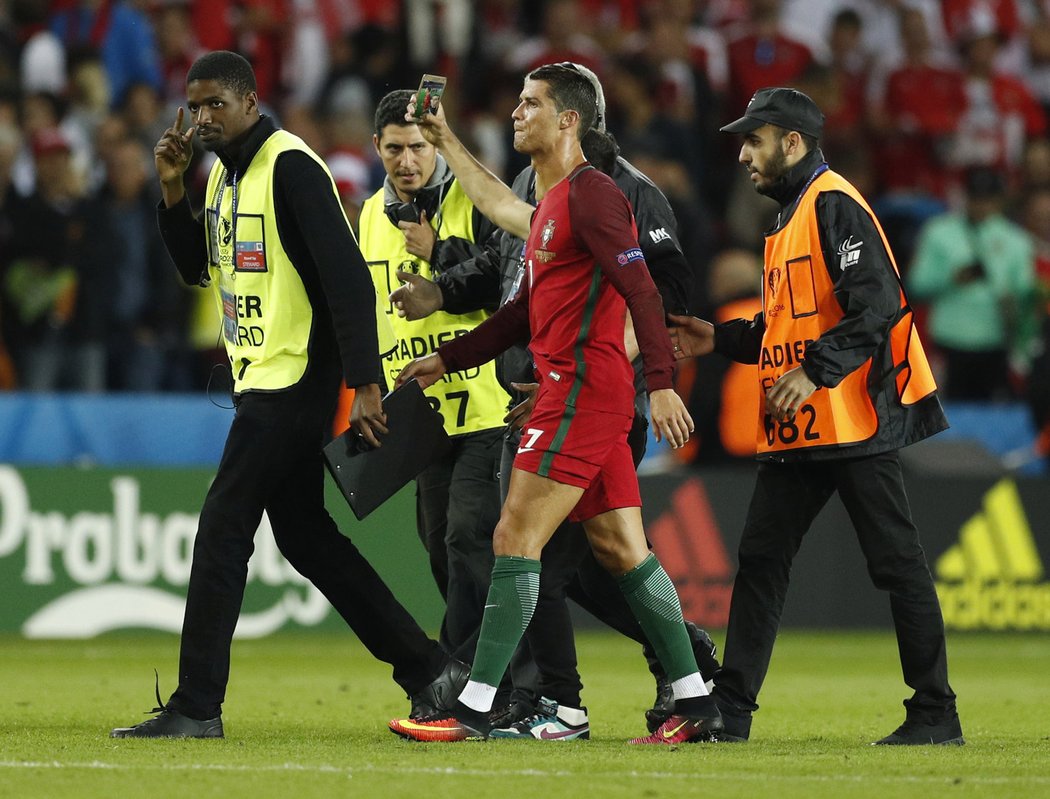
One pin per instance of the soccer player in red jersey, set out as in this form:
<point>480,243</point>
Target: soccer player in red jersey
<point>584,271</point>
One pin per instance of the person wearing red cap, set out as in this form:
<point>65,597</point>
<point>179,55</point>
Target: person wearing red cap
<point>846,385</point>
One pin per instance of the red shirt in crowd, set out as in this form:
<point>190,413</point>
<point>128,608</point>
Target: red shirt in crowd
<point>961,16</point>
<point>759,61</point>
<point>924,104</point>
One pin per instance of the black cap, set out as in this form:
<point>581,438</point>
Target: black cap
<point>786,108</point>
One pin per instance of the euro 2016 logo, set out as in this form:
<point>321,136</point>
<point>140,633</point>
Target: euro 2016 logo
<point>226,235</point>
<point>773,281</point>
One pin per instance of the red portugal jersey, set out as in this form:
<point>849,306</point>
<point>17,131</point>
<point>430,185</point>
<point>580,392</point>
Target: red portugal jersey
<point>583,245</point>
<point>583,264</point>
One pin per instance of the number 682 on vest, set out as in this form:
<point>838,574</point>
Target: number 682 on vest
<point>803,424</point>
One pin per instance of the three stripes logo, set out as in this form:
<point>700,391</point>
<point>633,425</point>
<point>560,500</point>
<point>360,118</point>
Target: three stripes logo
<point>689,543</point>
<point>993,578</point>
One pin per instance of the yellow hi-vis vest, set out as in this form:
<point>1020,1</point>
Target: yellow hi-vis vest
<point>265,312</point>
<point>469,400</point>
<point>799,305</point>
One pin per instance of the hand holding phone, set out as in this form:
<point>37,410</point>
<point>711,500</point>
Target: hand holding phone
<point>431,87</point>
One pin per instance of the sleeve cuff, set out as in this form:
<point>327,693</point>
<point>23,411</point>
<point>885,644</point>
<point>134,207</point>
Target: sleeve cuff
<point>660,381</point>
<point>809,368</point>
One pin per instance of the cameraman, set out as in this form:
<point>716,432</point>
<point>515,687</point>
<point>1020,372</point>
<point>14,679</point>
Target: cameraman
<point>403,226</point>
<point>975,269</point>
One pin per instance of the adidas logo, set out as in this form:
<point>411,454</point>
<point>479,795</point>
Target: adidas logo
<point>993,578</point>
<point>689,542</point>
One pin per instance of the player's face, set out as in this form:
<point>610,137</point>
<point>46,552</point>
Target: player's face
<point>220,113</point>
<point>408,158</point>
<point>764,155</point>
<point>535,118</point>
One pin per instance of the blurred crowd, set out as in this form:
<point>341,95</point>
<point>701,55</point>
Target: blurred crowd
<point>936,109</point>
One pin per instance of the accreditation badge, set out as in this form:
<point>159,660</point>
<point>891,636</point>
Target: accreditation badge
<point>251,256</point>
<point>229,306</point>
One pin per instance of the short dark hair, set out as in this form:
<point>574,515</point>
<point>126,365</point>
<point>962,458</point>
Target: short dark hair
<point>601,149</point>
<point>230,69</point>
<point>391,109</point>
<point>571,91</point>
<point>811,142</point>
<point>848,18</point>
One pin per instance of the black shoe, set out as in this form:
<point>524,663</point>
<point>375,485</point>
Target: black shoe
<point>441,694</point>
<point>913,732</point>
<point>511,713</point>
<point>736,724</point>
<point>724,737</point>
<point>704,650</point>
<point>171,724</point>
<point>663,706</point>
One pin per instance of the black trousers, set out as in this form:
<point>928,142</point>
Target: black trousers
<point>272,462</point>
<point>546,664</point>
<point>788,496</point>
<point>457,507</point>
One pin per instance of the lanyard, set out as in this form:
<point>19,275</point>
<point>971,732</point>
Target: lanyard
<point>233,215</point>
<point>820,170</point>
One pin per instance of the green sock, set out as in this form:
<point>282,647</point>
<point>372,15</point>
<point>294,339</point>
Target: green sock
<point>654,600</point>
<point>508,611</point>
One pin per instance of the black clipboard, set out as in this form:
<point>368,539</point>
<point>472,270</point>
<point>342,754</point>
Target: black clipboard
<point>368,476</point>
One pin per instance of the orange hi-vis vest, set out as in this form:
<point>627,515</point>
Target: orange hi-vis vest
<point>740,394</point>
<point>799,304</point>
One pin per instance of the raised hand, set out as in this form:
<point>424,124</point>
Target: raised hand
<point>419,237</point>
<point>434,127</point>
<point>172,157</point>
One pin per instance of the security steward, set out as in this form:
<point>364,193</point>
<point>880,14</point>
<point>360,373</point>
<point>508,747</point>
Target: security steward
<point>420,212</point>
<point>846,385</point>
<point>298,314</point>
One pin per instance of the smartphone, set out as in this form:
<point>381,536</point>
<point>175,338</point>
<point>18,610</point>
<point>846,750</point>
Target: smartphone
<point>431,87</point>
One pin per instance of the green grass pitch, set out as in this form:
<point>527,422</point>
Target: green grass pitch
<point>306,717</point>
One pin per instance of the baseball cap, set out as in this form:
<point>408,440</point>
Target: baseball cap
<point>49,140</point>
<point>787,108</point>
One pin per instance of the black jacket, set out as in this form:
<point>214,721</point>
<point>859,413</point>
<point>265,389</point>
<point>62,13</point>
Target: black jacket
<point>869,293</point>
<point>317,239</point>
<point>492,277</point>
